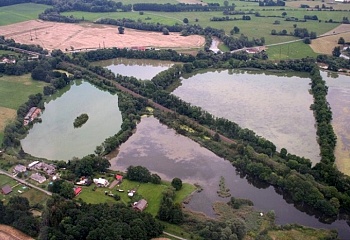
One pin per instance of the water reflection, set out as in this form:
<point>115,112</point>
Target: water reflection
<point>170,155</point>
<point>56,138</point>
<point>339,100</point>
<point>144,69</point>
<point>275,106</point>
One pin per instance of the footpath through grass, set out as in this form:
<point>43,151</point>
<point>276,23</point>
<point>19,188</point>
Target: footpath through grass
<point>20,13</point>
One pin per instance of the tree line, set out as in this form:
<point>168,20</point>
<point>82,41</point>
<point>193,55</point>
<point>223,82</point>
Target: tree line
<point>180,7</point>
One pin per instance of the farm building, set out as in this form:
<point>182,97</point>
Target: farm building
<point>19,168</point>
<point>38,178</point>
<point>33,113</point>
<point>140,205</point>
<point>48,168</point>
<point>30,165</point>
<point>101,182</point>
<point>6,189</point>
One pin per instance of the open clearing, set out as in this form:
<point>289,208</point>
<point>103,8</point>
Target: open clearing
<point>53,35</point>
<point>326,44</point>
<point>10,233</point>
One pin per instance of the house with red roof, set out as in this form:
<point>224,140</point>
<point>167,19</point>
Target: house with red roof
<point>77,191</point>
<point>119,178</point>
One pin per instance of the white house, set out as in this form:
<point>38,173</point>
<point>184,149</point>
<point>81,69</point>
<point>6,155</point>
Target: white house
<point>101,182</point>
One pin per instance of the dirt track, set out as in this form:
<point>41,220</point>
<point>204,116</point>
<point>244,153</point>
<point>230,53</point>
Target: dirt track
<point>54,35</point>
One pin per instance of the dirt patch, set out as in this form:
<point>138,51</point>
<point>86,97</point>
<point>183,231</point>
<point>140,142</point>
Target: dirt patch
<point>53,35</point>
<point>326,44</point>
<point>10,233</point>
<point>6,115</point>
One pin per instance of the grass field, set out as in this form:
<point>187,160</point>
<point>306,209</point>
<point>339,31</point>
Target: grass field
<point>299,233</point>
<point>20,12</point>
<point>14,91</point>
<point>147,1</point>
<point>290,51</point>
<point>151,192</point>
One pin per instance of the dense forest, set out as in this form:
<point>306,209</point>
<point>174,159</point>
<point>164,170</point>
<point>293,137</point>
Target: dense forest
<point>66,219</point>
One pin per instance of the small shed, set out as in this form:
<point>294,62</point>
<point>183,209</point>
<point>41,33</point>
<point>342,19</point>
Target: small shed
<point>77,191</point>
<point>140,205</point>
<point>6,189</point>
<point>119,178</point>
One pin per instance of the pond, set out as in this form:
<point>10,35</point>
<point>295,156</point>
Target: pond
<point>339,100</point>
<point>57,139</point>
<point>163,151</point>
<point>144,69</point>
<point>274,106</point>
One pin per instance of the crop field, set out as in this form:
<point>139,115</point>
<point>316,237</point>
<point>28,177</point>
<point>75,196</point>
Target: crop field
<point>257,27</point>
<point>64,36</point>
<point>14,91</point>
<point>20,12</point>
<point>335,5</point>
<point>10,233</point>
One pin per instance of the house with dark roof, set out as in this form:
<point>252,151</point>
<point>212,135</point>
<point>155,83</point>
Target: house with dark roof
<point>6,189</point>
<point>140,205</point>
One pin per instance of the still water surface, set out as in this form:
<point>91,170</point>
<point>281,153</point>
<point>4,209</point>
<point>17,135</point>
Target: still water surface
<point>339,99</point>
<point>163,151</point>
<point>144,69</point>
<point>276,107</point>
<point>57,139</point>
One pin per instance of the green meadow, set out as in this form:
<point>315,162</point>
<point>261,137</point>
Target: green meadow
<point>20,13</point>
<point>14,91</point>
<point>149,191</point>
<point>293,50</point>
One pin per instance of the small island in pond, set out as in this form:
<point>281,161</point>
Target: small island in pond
<point>80,120</point>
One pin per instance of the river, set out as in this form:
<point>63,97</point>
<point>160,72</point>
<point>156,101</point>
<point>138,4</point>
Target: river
<point>57,139</point>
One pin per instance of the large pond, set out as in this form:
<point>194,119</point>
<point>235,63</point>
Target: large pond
<point>170,155</point>
<point>144,69</point>
<point>339,100</point>
<point>57,139</point>
<point>274,106</point>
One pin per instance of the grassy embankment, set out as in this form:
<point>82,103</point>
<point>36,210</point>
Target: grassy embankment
<point>20,13</point>
<point>14,91</point>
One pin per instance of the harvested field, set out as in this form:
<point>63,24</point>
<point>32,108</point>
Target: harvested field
<point>53,35</point>
<point>192,2</point>
<point>6,115</point>
<point>10,233</point>
<point>326,44</point>
<point>336,6</point>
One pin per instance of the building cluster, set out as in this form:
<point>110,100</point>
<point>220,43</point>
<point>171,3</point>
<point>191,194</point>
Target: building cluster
<point>33,113</point>
<point>49,169</point>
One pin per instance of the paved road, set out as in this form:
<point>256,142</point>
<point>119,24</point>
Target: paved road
<point>25,182</point>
